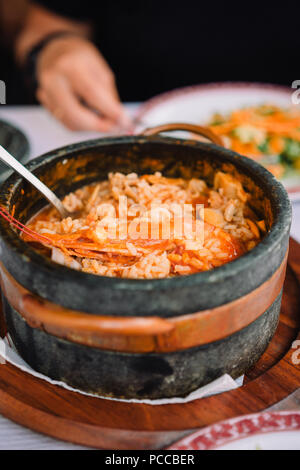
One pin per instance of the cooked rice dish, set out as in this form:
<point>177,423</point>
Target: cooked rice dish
<point>156,239</point>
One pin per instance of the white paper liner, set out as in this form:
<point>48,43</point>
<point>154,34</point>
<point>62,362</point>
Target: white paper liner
<point>220,385</point>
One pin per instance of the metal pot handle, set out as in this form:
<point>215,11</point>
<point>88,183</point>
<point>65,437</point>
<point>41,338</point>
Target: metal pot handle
<point>180,126</point>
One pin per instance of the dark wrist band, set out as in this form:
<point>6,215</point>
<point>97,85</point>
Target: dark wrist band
<point>32,56</point>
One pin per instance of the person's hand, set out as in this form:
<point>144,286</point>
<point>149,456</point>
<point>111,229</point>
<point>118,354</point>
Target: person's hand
<point>76,84</point>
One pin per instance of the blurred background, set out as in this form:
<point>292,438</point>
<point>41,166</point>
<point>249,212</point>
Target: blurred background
<point>12,13</point>
<point>269,35</point>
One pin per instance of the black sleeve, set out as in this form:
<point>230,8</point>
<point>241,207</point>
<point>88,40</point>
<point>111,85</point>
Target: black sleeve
<point>70,9</point>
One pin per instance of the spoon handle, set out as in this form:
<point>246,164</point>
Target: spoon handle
<point>7,158</point>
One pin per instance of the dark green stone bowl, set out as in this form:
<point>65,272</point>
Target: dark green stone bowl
<point>142,375</point>
<point>15,142</point>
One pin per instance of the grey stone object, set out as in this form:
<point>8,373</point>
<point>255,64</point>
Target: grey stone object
<point>150,375</point>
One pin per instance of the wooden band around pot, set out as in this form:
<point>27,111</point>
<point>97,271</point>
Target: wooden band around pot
<point>143,334</point>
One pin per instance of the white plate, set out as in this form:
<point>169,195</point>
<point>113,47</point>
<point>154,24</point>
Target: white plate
<point>197,104</point>
<point>285,440</point>
<point>261,431</point>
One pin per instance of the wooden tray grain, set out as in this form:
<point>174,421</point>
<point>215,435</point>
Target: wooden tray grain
<point>108,424</point>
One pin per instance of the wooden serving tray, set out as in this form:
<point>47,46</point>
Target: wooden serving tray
<point>108,424</point>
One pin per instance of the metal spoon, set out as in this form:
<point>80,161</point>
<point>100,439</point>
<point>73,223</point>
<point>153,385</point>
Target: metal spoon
<point>7,158</point>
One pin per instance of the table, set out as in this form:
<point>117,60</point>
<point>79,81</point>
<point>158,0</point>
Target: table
<point>44,134</point>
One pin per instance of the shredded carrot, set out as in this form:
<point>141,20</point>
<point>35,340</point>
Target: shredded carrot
<point>275,125</point>
<point>279,121</point>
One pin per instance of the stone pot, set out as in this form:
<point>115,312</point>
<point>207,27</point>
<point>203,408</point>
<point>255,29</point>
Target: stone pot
<point>142,338</point>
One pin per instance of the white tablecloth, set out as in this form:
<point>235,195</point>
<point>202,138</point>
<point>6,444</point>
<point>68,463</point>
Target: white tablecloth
<point>44,134</point>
